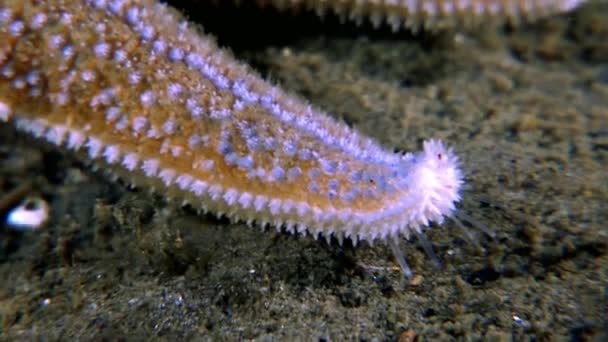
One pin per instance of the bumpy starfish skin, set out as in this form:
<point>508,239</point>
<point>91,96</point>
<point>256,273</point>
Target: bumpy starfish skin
<point>131,86</point>
<point>430,14</point>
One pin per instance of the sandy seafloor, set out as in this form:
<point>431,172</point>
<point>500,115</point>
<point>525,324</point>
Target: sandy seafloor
<point>527,111</point>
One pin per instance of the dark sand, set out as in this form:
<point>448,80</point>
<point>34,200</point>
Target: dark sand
<point>526,109</point>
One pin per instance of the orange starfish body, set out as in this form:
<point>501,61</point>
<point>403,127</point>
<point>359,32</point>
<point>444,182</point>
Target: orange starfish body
<point>130,85</point>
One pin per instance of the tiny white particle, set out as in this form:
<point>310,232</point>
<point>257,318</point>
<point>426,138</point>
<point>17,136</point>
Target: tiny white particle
<point>112,114</point>
<point>275,206</point>
<point>5,15</point>
<point>167,176</point>
<point>231,196</point>
<point>130,161</point>
<point>5,112</point>
<point>260,202</point>
<point>88,75</point>
<point>30,214</point>
<point>19,83</point>
<point>194,141</point>
<point>174,90</point>
<point>302,208</point>
<point>184,181</point>
<point>133,15</point>
<point>122,123</point>
<point>75,140</point>
<point>170,126</point>
<point>147,98</point>
<point>112,154</point>
<point>37,128</point>
<point>8,71</point>
<point>66,19</point>
<point>95,145</point>
<point>207,165</point>
<point>176,151</point>
<point>56,41</point>
<point>150,167</point>
<point>245,200</point>
<point>56,134</point>
<point>198,187</point>
<point>153,132</point>
<point>38,21</point>
<point>215,192</point>
<point>164,147</point>
<point>139,123</point>
<point>16,28</point>
<point>102,50</point>
<point>134,77</point>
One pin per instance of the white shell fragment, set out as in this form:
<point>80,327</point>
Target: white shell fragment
<point>32,213</point>
<point>5,112</point>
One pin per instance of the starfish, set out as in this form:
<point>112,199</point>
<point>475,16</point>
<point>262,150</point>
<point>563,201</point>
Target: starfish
<point>427,14</point>
<point>134,87</point>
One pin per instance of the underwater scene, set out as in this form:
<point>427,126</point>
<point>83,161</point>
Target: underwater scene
<point>304,170</point>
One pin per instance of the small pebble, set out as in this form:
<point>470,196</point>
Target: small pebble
<point>32,213</point>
